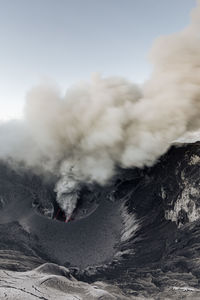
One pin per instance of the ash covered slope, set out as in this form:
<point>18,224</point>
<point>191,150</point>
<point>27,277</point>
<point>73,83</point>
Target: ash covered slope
<point>50,282</point>
<point>161,258</point>
<point>150,229</point>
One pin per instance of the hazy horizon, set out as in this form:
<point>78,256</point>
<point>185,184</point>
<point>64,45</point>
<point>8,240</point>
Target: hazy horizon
<point>66,41</point>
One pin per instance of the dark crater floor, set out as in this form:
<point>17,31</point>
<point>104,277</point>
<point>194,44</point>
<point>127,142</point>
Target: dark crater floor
<point>141,232</point>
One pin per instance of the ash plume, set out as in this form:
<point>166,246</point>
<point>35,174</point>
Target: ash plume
<point>110,122</point>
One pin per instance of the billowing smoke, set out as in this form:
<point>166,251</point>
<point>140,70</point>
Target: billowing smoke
<point>110,122</point>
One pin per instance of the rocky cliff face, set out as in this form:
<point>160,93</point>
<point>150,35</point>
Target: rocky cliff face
<point>141,233</point>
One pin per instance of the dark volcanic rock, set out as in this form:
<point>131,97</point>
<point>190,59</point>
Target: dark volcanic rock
<point>164,250</point>
<point>143,236</point>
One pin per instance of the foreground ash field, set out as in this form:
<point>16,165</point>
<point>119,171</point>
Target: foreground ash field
<point>136,238</point>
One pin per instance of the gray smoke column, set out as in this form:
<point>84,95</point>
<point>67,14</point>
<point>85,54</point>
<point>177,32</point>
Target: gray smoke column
<point>96,126</point>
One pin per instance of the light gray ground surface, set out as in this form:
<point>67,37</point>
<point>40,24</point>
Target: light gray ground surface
<point>50,282</point>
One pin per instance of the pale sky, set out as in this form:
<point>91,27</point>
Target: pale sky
<point>68,40</point>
